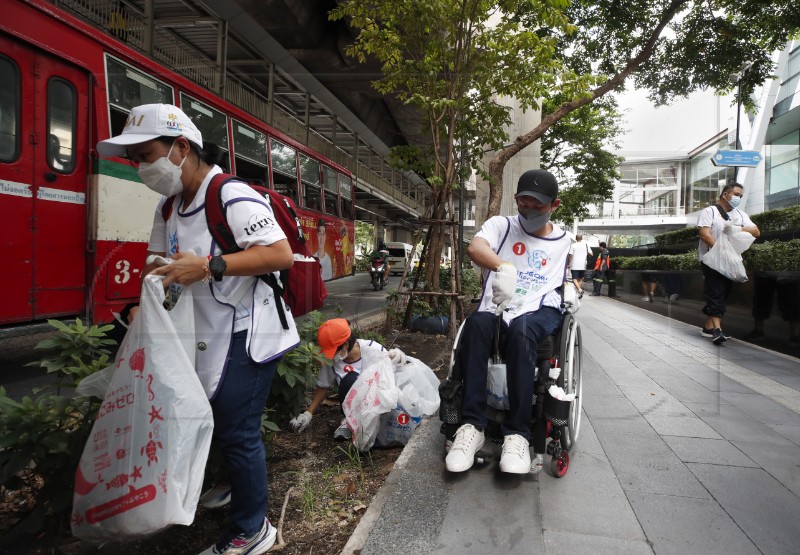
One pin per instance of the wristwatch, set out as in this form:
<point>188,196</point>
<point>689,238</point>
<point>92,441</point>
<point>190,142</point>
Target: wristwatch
<point>217,267</point>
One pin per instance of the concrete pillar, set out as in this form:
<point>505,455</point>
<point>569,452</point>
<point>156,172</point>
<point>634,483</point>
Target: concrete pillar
<point>307,117</point>
<point>271,93</point>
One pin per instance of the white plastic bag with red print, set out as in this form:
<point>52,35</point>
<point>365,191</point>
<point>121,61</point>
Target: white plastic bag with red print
<point>374,393</point>
<point>142,468</point>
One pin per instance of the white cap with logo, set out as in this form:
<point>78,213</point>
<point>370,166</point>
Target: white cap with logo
<point>148,122</point>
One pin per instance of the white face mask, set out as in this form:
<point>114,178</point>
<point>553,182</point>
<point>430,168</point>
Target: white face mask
<point>162,176</point>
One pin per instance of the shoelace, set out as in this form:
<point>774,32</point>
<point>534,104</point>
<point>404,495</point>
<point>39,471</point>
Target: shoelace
<point>463,438</point>
<point>514,445</point>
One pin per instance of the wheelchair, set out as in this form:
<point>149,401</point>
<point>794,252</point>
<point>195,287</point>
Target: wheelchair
<point>551,419</point>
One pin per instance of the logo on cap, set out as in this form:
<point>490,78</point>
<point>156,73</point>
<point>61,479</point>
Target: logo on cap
<point>173,123</point>
<point>134,121</point>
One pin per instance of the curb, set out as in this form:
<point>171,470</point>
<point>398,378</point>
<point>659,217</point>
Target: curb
<point>359,536</point>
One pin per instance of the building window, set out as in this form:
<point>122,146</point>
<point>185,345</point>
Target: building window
<point>783,171</point>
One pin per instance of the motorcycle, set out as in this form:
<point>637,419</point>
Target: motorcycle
<point>377,273</point>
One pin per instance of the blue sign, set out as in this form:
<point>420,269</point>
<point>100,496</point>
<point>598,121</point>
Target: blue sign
<point>745,158</point>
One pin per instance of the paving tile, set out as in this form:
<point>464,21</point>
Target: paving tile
<point>567,543</point>
<point>762,408</point>
<point>684,388</point>
<point>608,406</point>
<point>792,433</point>
<point>587,500</point>
<point>680,425</point>
<point>714,381</point>
<point>683,525</point>
<point>781,461</point>
<point>711,451</point>
<point>762,507</point>
<point>641,459</point>
<point>735,425</point>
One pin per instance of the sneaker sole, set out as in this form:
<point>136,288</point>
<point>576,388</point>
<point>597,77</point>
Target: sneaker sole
<point>704,334</point>
<point>515,469</point>
<point>719,341</point>
<point>462,468</point>
<point>216,502</point>
<point>264,545</point>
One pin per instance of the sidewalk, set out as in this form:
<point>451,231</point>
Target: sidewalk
<point>685,447</point>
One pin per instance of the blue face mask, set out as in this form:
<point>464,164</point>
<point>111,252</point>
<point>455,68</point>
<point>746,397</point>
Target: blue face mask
<point>734,202</point>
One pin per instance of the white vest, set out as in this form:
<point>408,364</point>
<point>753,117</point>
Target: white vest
<point>216,319</point>
<point>541,263</point>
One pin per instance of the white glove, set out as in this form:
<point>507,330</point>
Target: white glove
<point>300,422</point>
<point>397,357</point>
<point>729,227</point>
<point>504,284</point>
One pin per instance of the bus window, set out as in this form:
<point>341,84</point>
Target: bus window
<point>128,87</point>
<point>250,150</point>
<point>309,176</point>
<point>9,110</point>
<point>331,191</point>
<point>212,123</point>
<point>284,169</point>
<point>346,196</point>
<point>62,107</point>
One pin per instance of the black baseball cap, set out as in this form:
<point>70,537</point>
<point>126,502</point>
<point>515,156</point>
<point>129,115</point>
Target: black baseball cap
<point>539,184</point>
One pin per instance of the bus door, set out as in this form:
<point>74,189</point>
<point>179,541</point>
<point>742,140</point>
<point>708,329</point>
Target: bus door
<point>43,176</point>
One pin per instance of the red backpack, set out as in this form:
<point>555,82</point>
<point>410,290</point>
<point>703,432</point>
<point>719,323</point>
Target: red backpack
<point>301,286</point>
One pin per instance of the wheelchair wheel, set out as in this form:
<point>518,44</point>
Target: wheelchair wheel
<point>570,360</point>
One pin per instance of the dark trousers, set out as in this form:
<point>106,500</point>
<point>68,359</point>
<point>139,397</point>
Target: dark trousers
<point>523,336</point>
<point>716,290</point>
<point>237,408</point>
<point>346,383</point>
<point>598,276</point>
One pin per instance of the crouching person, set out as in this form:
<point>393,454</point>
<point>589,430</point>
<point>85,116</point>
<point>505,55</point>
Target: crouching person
<point>527,256</point>
<point>349,357</point>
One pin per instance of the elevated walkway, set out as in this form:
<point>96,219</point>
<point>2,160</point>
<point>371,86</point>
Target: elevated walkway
<point>685,447</point>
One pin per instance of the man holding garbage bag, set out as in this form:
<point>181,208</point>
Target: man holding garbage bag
<point>526,256</point>
<point>349,357</point>
<point>239,339</point>
<point>724,217</point>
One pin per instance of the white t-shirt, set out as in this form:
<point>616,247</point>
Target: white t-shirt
<point>540,261</point>
<point>252,223</point>
<point>710,217</point>
<point>579,251</point>
<point>329,375</point>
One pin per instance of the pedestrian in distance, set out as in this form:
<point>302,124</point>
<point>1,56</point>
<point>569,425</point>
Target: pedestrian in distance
<point>349,356</point>
<point>602,267</point>
<point>234,362</point>
<point>576,261</point>
<point>526,256</point>
<point>713,221</point>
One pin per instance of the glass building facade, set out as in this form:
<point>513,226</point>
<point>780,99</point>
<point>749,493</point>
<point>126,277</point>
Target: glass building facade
<point>782,186</point>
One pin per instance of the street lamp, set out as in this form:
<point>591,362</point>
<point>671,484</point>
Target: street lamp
<point>736,79</point>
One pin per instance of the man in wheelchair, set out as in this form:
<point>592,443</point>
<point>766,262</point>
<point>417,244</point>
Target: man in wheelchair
<point>526,256</point>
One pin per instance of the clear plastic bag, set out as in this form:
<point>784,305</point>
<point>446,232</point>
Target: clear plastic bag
<point>723,258</point>
<point>142,468</point>
<point>374,393</point>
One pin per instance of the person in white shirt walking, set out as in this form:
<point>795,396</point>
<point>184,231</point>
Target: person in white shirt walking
<point>711,224</point>
<point>576,261</point>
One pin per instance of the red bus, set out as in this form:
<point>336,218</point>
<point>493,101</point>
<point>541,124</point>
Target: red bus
<point>76,227</point>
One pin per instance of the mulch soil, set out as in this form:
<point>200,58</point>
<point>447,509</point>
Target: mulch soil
<point>325,485</point>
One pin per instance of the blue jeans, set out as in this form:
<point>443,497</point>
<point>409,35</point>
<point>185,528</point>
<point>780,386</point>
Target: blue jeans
<point>523,336</point>
<point>237,408</point>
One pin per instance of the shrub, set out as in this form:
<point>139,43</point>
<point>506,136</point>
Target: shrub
<point>781,219</point>
<point>677,262</point>
<point>296,373</point>
<point>772,256</point>
<point>677,237</point>
<point>45,434</point>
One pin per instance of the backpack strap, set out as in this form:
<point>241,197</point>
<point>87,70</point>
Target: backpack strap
<point>166,208</point>
<point>722,212</point>
<point>217,221</point>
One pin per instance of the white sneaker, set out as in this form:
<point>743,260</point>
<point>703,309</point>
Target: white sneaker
<point>257,544</point>
<point>537,463</point>
<point>516,457</point>
<point>343,431</point>
<point>467,442</point>
<point>645,299</point>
